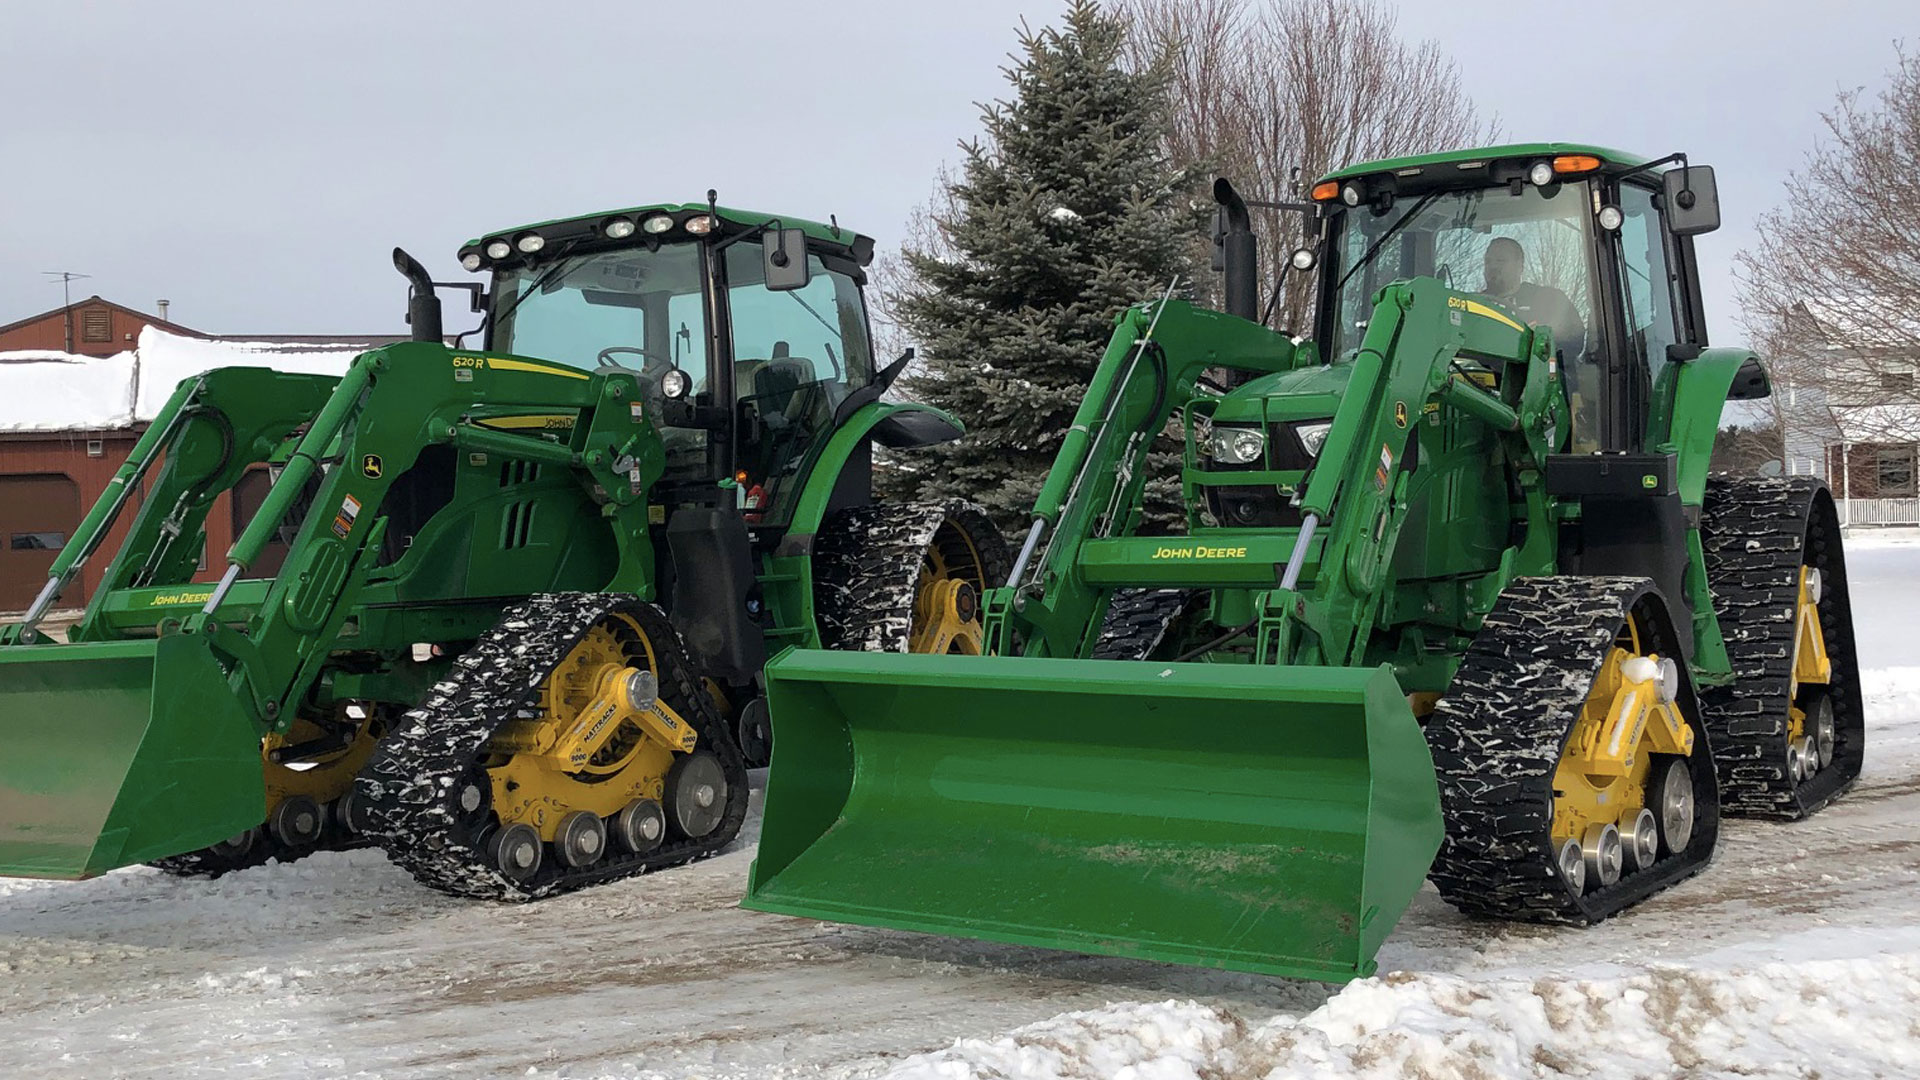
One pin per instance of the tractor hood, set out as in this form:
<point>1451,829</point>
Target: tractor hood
<point>1307,393</point>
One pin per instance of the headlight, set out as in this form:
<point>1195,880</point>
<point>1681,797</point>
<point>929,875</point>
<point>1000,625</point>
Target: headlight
<point>1314,435</point>
<point>657,224</point>
<point>498,249</point>
<point>530,242</point>
<point>1237,445</point>
<point>675,384</point>
<point>471,260</point>
<point>618,228</point>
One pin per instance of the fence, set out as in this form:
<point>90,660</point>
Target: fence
<point>1880,511</point>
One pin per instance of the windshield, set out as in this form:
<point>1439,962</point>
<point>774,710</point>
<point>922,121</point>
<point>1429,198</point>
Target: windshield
<point>636,308</point>
<point>797,353</point>
<point>1529,252</point>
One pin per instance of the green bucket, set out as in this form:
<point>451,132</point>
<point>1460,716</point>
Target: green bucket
<point>1267,819</point>
<point>117,753</point>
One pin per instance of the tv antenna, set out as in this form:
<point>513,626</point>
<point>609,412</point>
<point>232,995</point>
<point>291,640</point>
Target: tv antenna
<point>67,278</point>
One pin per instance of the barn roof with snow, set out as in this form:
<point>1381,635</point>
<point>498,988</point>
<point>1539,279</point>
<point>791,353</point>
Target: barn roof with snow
<point>45,391</point>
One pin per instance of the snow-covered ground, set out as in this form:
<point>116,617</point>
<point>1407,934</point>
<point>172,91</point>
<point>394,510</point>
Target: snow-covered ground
<point>1796,954</point>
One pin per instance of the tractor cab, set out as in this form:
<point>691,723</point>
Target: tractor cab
<point>749,333</point>
<point>1592,244</point>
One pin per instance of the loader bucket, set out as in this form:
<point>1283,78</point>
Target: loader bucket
<point>1268,819</point>
<point>117,753</point>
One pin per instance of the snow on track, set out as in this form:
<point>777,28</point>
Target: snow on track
<point>1797,951</point>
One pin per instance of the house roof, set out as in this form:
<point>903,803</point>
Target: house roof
<point>152,320</point>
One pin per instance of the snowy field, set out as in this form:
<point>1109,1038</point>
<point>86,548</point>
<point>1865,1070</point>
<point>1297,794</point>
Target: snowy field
<point>1797,954</point>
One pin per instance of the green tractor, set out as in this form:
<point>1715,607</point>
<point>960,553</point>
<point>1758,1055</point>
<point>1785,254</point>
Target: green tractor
<point>502,611</point>
<point>1456,600</point>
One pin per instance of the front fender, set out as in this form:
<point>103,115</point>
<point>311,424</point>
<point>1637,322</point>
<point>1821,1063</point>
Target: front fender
<point>895,425</point>
<point>1700,393</point>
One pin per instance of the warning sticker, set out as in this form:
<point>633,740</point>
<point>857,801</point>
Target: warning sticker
<point>634,409</point>
<point>343,521</point>
<point>1386,467</point>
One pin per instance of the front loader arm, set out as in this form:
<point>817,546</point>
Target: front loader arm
<point>391,405</point>
<point>1427,349</point>
<point>1149,371</point>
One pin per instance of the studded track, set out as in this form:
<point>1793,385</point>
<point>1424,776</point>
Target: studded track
<point>867,567</point>
<point>1498,735</point>
<point>411,788</point>
<point>1138,620</point>
<point>1758,532</point>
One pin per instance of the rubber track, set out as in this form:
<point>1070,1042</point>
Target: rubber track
<point>1497,737</point>
<point>211,863</point>
<point>1757,532</point>
<point>410,784</point>
<point>1138,620</point>
<point>867,568</point>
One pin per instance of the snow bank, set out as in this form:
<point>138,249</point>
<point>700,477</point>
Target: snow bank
<point>56,391</point>
<point>1876,538</point>
<point>42,391</point>
<point>1843,1018</point>
<point>166,359</point>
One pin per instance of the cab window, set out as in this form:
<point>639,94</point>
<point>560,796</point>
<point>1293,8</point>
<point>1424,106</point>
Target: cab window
<point>1648,290</point>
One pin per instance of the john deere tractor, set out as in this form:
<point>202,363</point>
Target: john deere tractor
<point>1456,600</point>
<point>500,610</point>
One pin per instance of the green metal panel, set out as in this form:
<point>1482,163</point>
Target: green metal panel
<point>120,752</point>
<point>1208,557</point>
<point>1098,806</point>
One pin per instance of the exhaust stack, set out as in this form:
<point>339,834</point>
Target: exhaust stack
<point>1240,253</point>
<point>423,307</point>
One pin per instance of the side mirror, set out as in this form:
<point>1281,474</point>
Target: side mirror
<point>783,259</point>
<point>1692,201</point>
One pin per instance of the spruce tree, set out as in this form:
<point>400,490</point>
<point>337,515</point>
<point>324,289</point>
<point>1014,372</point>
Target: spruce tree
<point>1066,211</point>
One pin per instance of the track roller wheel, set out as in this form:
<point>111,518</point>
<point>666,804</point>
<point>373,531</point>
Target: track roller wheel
<point>1563,748</point>
<point>1789,731</point>
<point>577,716</point>
<point>297,822</point>
<point>641,827</point>
<point>516,852</point>
<point>581,839</point>
<point>696,794</point>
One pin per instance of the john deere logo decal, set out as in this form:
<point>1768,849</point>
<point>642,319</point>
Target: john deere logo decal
<point>1400,413</point>
<point>370,466</point>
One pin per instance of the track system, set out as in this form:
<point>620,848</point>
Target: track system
<point>1515,717</point>
<point>906,577</point>
<point>456,793</point>
<point>1760,535</point>
<point>1138,620</point>
<point>310,802</point>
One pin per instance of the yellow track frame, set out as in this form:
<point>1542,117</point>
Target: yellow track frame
<point>589,743</point>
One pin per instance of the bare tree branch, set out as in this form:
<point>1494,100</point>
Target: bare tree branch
<point>1831,290</point>
<point>1267,90</point>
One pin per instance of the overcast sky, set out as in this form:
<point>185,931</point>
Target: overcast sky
<point>255,162</point>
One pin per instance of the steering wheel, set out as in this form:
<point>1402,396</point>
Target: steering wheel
<point>644,354</point>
